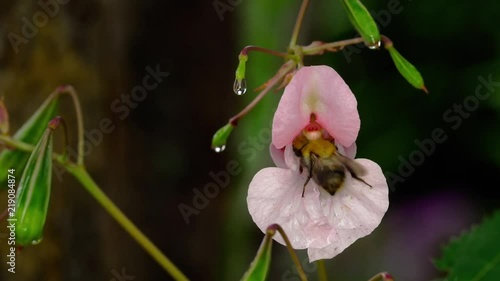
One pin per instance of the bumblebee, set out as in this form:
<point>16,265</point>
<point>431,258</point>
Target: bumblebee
<point>325,165</point>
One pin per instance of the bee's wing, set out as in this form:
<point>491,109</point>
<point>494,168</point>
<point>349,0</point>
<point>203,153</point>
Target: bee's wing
<point>356,169</point>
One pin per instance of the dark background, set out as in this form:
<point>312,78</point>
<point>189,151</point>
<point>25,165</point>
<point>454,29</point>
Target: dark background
<point>160,152</point>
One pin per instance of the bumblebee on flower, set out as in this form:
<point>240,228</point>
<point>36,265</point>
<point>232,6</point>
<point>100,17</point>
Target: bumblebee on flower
<point>313,137</point>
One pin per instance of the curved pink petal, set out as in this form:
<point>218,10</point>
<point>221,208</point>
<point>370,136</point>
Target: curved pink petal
<point>324,224</point>
<point>355,211</point>
<point>319,90</point>
<point>278,156</point>
<point>275,196</point>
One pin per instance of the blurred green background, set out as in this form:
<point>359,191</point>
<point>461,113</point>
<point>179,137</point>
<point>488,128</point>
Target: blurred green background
<point>159,152</point>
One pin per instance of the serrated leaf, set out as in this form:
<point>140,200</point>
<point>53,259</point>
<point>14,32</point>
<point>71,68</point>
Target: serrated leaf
<point>30,133</point>
<point>363,22</point>
<point>33,193</point>
<point>474,256</point>
<point>260,265</point>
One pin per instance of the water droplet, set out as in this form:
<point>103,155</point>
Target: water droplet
<point>240,87</point>
<point>220,148</point>
<point>34,242</point>
<point>374,46</point>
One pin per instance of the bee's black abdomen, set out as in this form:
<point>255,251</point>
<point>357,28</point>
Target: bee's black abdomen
<point>330,180</point>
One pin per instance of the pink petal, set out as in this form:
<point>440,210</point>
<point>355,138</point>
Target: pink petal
<point>274,196</point>
<point>278,156</point>
<point>355,211</point>
<point>319,90</point>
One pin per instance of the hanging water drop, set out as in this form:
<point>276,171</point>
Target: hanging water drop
<point>240,86</point>
<point>374,46</point>
<point>37,241</point>
<point>219,149</point>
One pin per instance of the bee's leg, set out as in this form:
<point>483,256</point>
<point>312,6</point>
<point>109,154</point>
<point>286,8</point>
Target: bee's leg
<point>361,180</point>
<point>353,174</point>
<point>309,176</point>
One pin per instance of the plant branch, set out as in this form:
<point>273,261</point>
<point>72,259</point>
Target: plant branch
<point>79,172</point>
<point>295,259</point>
<point>251,48</point>
<point>298,24</point>
<point>79,118</point>
<point>284,70</point>
<point>319,49</point>
<point>322,276</point>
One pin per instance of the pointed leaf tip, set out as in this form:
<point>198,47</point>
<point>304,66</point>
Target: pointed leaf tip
<point>406,69</point>
<point>363,22</point>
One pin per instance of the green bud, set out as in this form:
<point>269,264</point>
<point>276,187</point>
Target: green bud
<point>29,133</point>
<point>33,193</point>
<point>220,137</point>
<point>363,22</point>
<point>409,72</point>
<point>260,265</point>
<point>240,84</point>
<point>240,71</point>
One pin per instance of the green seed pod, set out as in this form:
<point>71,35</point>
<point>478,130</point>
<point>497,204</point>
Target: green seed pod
<point>33,193</point>
<point>29,133</point>
<point>362,22</point>
<point>409,72</point>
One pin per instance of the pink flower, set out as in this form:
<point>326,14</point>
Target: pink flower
<point>318,107</point>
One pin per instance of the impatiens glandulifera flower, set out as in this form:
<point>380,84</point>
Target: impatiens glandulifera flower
<point>317,107</point>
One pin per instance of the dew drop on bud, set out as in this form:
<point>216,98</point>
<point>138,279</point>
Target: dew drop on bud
<point>37,241</point>
<point>220,148</point>
<point>240,86</point>
<point>374,46</point>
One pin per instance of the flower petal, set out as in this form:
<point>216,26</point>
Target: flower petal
<point>275,196</point>
<point>319,90</point>
<point>354,211</point>
<point>278,156</point>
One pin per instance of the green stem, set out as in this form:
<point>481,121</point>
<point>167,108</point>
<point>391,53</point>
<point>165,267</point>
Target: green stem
<point>295,259</point>
<point>322,276</point>
<point>81,174</point>
<point>79,118</point>
<point>329,46</point>
<point>86,180</point>
<point>251,48</point>
<point>298,24</point>
<point>284,70</point>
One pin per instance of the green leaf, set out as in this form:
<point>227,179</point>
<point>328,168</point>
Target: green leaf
<point>33,193</point>
<point>475,256</point>
<point>220,137</point>
<point>363,22</point>
<point>30,133</point>
<point>409,72</point>
<point>260,265</point>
